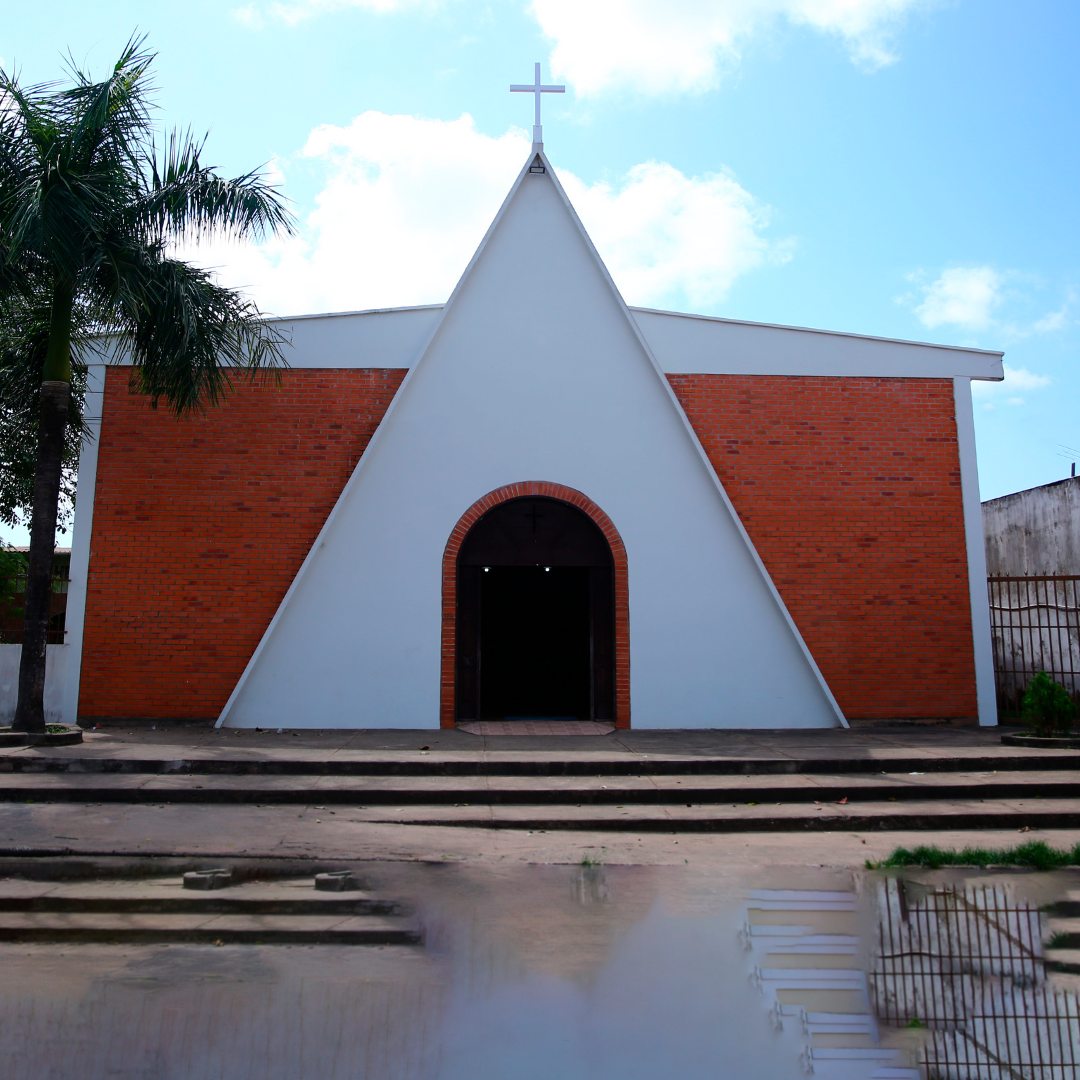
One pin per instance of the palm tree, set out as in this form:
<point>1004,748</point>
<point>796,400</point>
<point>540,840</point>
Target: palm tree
<point>88,211</point>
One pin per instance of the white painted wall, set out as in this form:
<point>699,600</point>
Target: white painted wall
<point>699,343</point>
<point>976,554</point>
<point>536,372</point>
<point>59,660</point>
<point>388,338</point>
<point>394,337</point>
<point>75,619</point>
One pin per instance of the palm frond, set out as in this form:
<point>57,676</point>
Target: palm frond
<point>112,115</point>
<point>186,199</point>
<point>52,200</point>
<point>186,336</point>
<point>86,203</point>
<point>29,130</point>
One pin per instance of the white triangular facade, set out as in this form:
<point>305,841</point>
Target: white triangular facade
<point>535,372</point>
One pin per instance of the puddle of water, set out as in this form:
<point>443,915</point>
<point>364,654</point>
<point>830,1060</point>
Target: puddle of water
<point>963,961</point>
<point>577,973</point>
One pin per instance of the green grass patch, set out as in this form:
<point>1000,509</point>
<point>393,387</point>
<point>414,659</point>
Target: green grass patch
<point>1034,855</point>
<point>1062,939</point>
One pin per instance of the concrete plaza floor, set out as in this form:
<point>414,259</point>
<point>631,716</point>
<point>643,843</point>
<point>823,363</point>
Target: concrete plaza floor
<point>141,739</point>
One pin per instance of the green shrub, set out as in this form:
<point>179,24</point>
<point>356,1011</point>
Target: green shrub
<point>1047,710</point>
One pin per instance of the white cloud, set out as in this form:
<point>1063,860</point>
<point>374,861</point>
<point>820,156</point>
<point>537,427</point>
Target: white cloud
<point>1054,320</point>
<point>962,296</point>
<point>406,201</point>
<point>1022,379</point>
<point>979,298</point>
<point>1015,379</point>
<point>665,236</point>
<point>683,46</point>
<point>294,11</point>
<point>655,46</point>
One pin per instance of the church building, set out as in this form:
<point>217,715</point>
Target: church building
<point>534,501</point>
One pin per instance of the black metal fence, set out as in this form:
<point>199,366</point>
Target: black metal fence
<point>11,631</point>
<point>1035,626</point>
<point>966,964</point>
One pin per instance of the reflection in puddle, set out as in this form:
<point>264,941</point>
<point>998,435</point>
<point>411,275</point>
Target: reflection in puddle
<point>671,1001</point>
<point>965,962</point>
<point>590,884</point>
<point>574,973</point>
<point>806,946</point>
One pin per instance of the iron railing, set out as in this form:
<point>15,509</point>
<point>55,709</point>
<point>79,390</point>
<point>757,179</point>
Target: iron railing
<point>1035,626</point>
<point>966,964</point>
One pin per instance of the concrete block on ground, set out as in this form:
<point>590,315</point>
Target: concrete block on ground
<point>208,879</point>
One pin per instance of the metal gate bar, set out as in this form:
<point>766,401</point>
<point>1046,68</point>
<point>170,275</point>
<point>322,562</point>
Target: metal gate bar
<point>1035,626</point>
<point>967,964</point>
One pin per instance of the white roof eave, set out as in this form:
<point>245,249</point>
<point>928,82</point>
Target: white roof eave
<point>682,342</point>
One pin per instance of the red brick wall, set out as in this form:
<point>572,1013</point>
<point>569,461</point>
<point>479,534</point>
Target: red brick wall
<point>200,526</point>
<point>850,490</point>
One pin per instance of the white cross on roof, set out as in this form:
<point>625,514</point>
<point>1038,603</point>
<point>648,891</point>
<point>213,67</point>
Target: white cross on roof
<point>537,89</point>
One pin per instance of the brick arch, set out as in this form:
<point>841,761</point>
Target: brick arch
<point>449,589</point>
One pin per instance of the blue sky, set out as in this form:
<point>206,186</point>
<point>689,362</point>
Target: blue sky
<point>906,168</point>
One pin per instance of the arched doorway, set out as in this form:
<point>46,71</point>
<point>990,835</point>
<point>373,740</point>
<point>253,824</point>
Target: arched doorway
<point>535,615</point>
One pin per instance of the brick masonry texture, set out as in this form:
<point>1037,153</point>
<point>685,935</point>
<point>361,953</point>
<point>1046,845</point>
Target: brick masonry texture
<point>850,491</point>
<point>449,584</point>
<point>200,526</point>
<point>849,488</point>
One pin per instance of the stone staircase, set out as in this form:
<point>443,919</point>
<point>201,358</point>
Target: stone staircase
<point>557,792</point>
<point>147,905</point>
<point>806,963</point>
<point>1062,945</point>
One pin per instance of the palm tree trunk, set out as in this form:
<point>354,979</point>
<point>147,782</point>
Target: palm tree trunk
<point>52,425</point>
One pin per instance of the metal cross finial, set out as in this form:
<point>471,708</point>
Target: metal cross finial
<point>537,89</point>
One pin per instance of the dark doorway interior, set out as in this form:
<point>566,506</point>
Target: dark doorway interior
<point>534,642</point>
<point>536,615</point>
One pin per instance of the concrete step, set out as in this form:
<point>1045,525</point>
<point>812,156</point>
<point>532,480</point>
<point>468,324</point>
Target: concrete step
<point>598,789</point>
<point>162,910</point>
<point>1064,932</point>
<point>159,928</point>
<point>168,896</point>
<point>547,764</point>
<point>209,903</point>
<point>1068,907</point>
<point>1065,961</point>
<point>742,817</point>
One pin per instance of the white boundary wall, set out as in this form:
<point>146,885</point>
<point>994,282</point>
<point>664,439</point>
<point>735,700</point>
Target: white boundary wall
<point>59,660</point>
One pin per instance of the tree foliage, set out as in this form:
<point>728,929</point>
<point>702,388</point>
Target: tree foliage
<point>90,202</point>
<point>90,212</point>
<point>24,334</point>
<point>12,568</point>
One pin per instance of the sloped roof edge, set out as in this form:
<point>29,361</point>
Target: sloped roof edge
<point>673,315</point>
